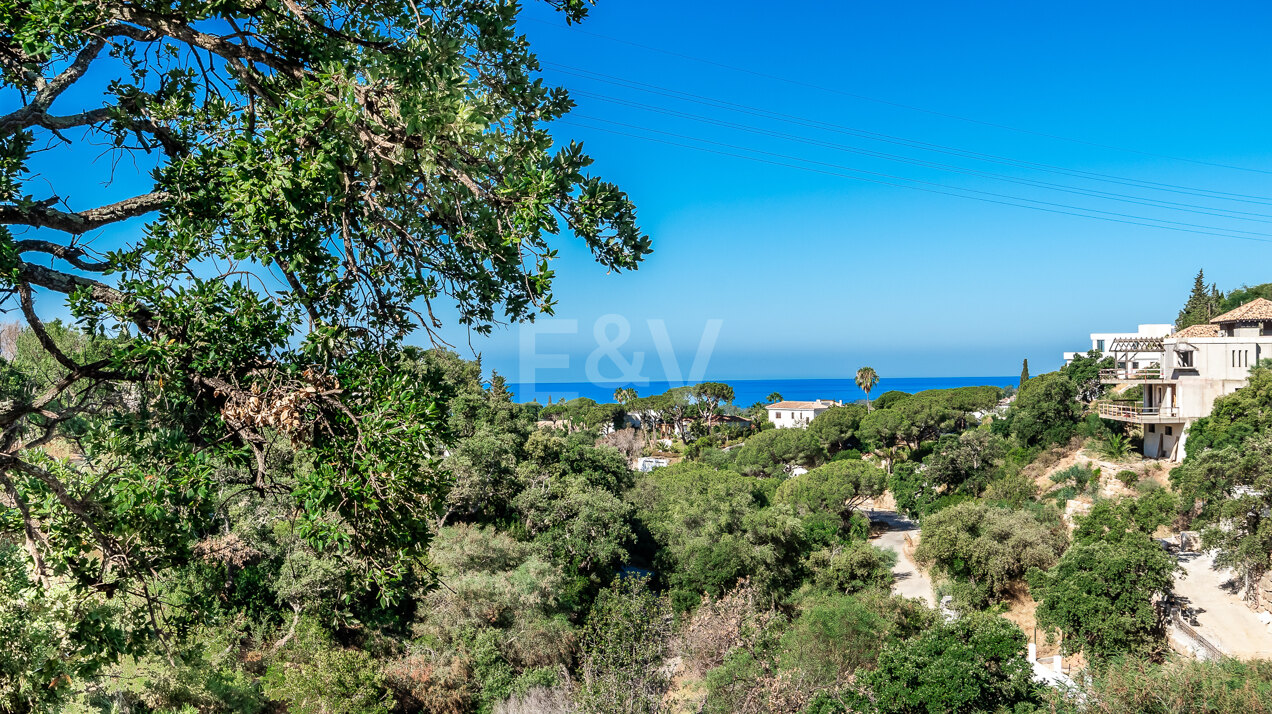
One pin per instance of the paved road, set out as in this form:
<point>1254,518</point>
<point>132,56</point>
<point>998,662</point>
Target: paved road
<point>909,580</point>
<point>1222,618</point>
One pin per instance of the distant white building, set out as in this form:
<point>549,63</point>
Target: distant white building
<point>1102,342</point>
<point>788,414</point>
<point>645,464</point>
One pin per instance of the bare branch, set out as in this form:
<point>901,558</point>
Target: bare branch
<point>70,254</point>
<point>42,216</point>
<point>212,43</point>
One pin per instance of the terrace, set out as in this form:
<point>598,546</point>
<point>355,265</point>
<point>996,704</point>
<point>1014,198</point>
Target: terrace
<point>1135,412</point>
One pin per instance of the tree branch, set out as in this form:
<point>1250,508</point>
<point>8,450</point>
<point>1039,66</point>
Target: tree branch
<point>41,216</point>
<point>70,254</point>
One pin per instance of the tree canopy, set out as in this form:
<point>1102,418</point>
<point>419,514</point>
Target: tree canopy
<point>317,183</point>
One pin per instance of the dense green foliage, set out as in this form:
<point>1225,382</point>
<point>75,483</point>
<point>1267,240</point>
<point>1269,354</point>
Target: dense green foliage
<point>988,549</point>
<point>1203,303</point>
<point>1101,594</point>
<point>974,664</point>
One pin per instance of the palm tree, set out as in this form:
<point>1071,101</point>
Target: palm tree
<point>774,397</point>
<point>866,380</point>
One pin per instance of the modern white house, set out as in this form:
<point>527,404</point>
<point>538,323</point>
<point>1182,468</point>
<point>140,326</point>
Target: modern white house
<point>789,414</point>
<point>1188,370</point>
<point>1103,342</point>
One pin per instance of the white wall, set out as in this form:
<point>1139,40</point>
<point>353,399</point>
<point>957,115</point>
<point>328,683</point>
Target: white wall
<point>793,418</point>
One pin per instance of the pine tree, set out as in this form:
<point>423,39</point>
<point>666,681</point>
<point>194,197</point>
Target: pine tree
<point>1024,372</point>
<point>1203,303</point>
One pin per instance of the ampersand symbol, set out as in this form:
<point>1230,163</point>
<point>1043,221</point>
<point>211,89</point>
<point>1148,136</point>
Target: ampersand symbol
<point>607,347</point>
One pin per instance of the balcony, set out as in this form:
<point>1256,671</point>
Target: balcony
<point>1122,375</point>
<point>1136,412</point>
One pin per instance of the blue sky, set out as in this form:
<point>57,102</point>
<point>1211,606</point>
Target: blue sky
<point>815,274</point>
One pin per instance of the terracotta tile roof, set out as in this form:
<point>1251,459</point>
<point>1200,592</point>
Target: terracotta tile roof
<point>787,404</point>
<point>1256,309</point>
<point>1198,331</point>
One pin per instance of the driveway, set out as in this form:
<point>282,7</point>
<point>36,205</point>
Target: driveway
<point>1221,615</point>
<point>908,581</point>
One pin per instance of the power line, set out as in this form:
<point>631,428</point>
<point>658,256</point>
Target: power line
<point>876,100</point>
<point>1091,193</point>
<point>985,196</point>
<point>903,141</point>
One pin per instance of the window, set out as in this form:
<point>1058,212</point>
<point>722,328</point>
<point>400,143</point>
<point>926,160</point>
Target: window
<point>1170,431</point>
<point>1185,359</point>
<point>1099,345</point>
<point>1151,429</point>
<point>777,415</point>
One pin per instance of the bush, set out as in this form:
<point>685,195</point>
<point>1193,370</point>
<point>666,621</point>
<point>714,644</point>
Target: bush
<point>1078,475</point>
<point>314,676</point>
<point>847,455</point>
<point>852,568</point>
<point>1179,686</point>
<point>833,637</point>
<point>624,642</point>
<point>1116,446</point>
<point>1128,477</point>
<point>973,664</point>
<point>1045,411</point>
<point>990,548</point>
<point>1101,593</point>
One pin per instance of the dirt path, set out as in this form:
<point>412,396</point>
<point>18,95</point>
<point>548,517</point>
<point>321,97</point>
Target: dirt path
<point>909,580</point>
<point>1222,617</point>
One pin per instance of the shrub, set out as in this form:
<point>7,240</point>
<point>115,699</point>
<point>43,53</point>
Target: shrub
<point>1101,593</point>
<point>990,548</point>
<point>833,637</point>
<point>1179,686</point>
<point>973,664</point>
<point>852,568</point>
<point>1116,446</point>
<point>1128,477</point>
<point>623,646</point>
<point>719,626</point>
<point>1079,475</point>
<point>314,676</point>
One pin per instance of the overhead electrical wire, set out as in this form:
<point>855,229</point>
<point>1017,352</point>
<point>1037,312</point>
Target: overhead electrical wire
<point>932,187</point>
<point>900,105</point>
<point>901,141</point>
<point>1092,193</point>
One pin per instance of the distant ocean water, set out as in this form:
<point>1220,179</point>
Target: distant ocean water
<point>750,391</point>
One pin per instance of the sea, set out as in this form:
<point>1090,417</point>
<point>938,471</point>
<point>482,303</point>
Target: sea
<point>749,391</point>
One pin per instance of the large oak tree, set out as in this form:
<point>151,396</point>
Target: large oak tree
<point>298,187</point>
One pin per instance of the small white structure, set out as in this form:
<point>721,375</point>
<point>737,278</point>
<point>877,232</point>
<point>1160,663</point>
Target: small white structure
<point>788,414</point>
<point>1102,342</point>
<point>645,464</point>
<point>1186,372</point>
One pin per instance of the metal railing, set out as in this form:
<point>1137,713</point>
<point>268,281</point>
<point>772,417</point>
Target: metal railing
<point>1124,374</point>
<point>1132,410</point>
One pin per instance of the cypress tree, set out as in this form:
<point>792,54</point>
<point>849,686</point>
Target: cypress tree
<point>1024,372</point>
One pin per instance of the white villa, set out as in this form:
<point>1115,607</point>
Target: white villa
<point>790,414</point>
<point>1103,342</point>
<point>1187,372</point>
